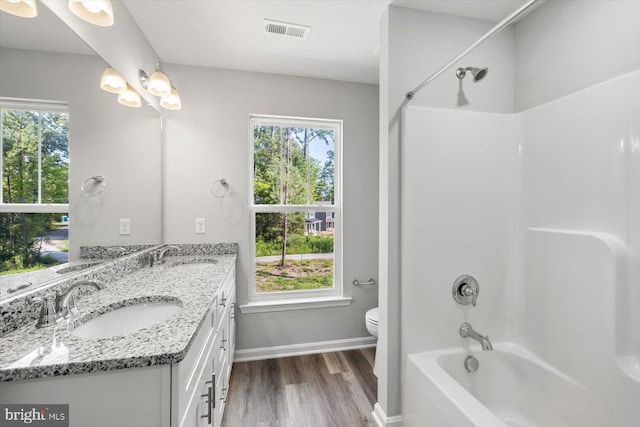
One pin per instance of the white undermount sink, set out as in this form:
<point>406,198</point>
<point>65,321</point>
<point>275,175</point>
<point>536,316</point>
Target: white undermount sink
<point>127,320</point>
<point>192,264</point>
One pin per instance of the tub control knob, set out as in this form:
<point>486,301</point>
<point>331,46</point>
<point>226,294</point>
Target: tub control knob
<point>465,290</point>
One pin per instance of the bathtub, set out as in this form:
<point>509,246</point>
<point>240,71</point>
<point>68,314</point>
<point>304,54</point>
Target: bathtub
<point>512,388</point>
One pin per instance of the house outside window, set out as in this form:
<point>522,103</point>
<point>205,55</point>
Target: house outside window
<point>295,187</point>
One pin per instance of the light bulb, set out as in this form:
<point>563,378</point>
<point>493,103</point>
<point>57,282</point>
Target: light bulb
<point>159,84</point>
<point>171,102</point>
<point>21,8</point>
<point>112,82</point>
<point>129,97</point>
<point>96,12</point>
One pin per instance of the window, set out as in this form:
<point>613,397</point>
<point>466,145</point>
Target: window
<point>34,183</point>
<point>295,208</point>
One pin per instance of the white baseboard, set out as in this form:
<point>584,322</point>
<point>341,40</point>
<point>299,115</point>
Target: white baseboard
<point>300,349</point>
<point>382,420</point>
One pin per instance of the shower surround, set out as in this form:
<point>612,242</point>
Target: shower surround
<point>542,207</point>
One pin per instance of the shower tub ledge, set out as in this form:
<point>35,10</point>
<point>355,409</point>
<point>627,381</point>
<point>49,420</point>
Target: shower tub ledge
<point>512,388</point>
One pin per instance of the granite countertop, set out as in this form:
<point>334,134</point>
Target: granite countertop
<point>29,352</point>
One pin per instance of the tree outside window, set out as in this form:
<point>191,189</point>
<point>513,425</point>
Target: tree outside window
<point>35,184</point>
<point>294,204</point>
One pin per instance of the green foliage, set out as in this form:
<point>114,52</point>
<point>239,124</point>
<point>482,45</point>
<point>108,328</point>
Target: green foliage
<point>19,232</point>
<point>296,244</point>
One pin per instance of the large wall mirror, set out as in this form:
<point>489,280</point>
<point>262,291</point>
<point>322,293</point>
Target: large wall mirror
<point>50,87</point>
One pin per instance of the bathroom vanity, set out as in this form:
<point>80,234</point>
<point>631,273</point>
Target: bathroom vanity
<point>171,373</point>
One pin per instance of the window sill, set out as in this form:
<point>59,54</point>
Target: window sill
<point>294,304</point>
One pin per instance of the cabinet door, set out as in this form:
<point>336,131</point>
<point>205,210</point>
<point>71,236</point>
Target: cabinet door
<point>231,329</point>
<point>222,387</point>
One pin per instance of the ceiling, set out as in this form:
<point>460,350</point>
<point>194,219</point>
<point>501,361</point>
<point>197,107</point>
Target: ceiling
<point>485,10</point>
<point>342,45</point>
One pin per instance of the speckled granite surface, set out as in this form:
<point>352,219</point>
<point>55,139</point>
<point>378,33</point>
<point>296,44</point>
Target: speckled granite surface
<point>28,352</point>
<point>110,252</point>
<point>15,284</point>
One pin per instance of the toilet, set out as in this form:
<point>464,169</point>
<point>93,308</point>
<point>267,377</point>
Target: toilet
<point>371,321</point>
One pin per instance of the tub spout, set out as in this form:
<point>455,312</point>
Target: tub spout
<point>466,331</point>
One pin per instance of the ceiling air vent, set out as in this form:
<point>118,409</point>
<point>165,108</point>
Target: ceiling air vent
<point>286,29</point>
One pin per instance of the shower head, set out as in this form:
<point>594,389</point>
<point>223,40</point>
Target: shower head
<point>477,73</point>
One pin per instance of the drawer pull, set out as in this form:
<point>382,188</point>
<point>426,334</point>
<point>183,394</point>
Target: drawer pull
<point>213,381</point>
<point>224,398</point>
<point>224,345</point>
<point>224,302</point>
<point>210,399</point>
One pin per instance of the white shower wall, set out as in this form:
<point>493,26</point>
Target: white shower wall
<point>458,212</point>
<point>543,208</point>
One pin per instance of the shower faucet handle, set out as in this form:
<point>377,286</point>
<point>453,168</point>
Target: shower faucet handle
<point>469,291</point>
<point>466,290</point>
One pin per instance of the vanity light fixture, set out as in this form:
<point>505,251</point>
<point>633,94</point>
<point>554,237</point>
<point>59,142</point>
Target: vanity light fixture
<point>112,82</point>
<point>96,12</point>
<point>21,8</point>
<point>171,102</point>
<point>158,84</point>
<point>130,97</point>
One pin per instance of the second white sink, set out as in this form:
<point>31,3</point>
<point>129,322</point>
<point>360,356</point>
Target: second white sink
<point>127,320</point>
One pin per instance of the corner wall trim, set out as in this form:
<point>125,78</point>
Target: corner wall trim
<point>382,420</point>
<point>304,348</point>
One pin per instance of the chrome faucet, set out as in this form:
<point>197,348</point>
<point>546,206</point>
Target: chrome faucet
<point>120,249</point>
<point>56,306</point>
<point>466,331</point>
<point>66,301</point>
<point>160,255</point>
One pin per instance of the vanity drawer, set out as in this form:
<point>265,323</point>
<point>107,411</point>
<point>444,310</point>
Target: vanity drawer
<point>187,374</point>
<point>222,388</point>
<point>203,399</point>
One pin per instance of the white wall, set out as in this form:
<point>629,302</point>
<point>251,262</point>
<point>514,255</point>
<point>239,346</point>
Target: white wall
<point>122,144</point>
<point>208,140</point>
<point>567,45</point>
<point>414,45</point>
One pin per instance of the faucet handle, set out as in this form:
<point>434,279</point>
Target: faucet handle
<point>48,310</point>
<point>470,291</point>
<point>466,290</point>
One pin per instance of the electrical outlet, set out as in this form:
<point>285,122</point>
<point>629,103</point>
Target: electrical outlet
<point>125,227</point>
<point>200,226</point>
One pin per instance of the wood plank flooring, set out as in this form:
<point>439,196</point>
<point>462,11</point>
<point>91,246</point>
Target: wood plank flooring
<point>319,390</point>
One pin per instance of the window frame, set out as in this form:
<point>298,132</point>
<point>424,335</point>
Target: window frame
<point>312,298</point>
<point>39,106</point>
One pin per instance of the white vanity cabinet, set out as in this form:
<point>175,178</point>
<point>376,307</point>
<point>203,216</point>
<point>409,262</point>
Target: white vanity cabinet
<point>214,382</point>
<point>203,376</point>
<point>191,393</point>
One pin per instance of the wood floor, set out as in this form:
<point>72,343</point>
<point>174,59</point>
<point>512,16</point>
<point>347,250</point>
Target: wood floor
<point>319,390</point>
